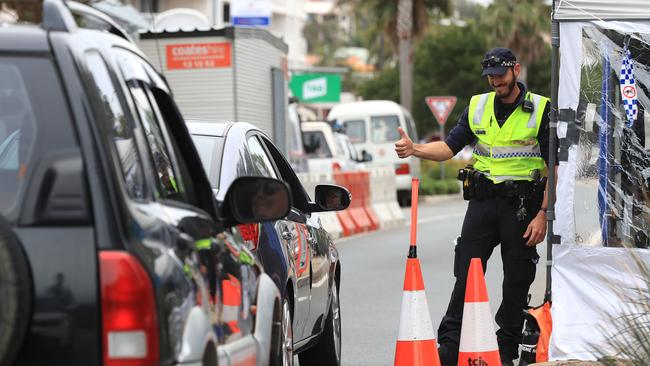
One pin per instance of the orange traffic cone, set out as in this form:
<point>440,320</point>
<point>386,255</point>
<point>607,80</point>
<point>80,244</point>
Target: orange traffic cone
<point>478,342</point>
<point>416,342</point>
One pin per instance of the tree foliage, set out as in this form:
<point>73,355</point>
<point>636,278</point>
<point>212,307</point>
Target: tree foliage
<point>447,62</point>
<point>523,26</point>
<point>447,58</point>
<point>378,21</point>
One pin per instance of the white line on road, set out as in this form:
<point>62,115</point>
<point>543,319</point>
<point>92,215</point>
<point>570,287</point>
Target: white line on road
<point>420,221</point>
<point>437,218</point>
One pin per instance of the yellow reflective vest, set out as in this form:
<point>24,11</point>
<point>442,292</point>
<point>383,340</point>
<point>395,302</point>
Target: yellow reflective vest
<point>511,151</point>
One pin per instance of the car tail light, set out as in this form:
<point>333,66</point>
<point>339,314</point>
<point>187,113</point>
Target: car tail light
<point>402,169</point>
<point>129,317</point>
<point>336,167</point>
<point>251,234</point>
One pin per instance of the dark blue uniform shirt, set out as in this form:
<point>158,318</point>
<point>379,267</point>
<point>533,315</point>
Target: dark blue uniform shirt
<point>462,135</point>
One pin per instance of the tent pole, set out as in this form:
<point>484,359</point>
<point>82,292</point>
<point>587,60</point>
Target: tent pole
<point>550,213</point>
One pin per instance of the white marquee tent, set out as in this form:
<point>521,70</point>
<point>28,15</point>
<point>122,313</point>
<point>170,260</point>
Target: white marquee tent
<point>601,89</point>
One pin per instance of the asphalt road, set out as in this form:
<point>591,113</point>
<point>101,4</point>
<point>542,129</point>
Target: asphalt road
<point>373,273</point>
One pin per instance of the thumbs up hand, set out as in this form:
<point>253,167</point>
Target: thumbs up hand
<point>404,146</point>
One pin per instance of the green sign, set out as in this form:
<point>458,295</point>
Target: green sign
<point>314,88</point>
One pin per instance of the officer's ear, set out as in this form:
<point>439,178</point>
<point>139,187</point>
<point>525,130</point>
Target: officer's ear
<point>516,70</point>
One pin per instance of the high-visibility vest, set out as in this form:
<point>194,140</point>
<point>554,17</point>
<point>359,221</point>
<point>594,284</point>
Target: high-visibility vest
<point>511,151</point>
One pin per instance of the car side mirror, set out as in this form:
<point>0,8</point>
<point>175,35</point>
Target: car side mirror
<point>330,197</point>
<point>256,199</point>
<point>366,156</point>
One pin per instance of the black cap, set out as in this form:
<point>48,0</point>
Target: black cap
<point>497,61</point>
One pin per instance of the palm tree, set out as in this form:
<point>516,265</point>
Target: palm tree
<point>380,20</point>
<point>523,26</point>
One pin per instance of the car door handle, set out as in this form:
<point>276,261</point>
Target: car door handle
<point>287,235</point>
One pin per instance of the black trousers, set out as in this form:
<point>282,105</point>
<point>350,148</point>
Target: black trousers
<point>488,223</point>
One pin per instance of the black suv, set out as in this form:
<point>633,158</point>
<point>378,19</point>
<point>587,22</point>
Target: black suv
<point>113,250</point>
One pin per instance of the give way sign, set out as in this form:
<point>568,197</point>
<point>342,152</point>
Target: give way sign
<point>441,107</point>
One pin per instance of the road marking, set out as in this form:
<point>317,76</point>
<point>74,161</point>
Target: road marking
<point>420,221</point>
<point>437,218</point>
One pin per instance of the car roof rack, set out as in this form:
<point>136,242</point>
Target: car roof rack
<point>58,15</point>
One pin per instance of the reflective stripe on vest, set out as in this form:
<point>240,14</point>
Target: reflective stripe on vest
<point>510,151</point>
<point>501,152</point>
<point>480,108</point>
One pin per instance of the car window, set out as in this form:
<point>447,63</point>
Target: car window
<point>356,130</point>
<point>316,145</point>
<point>209,149</point>
<point>340,146</point>
<point>120,128</point>
<point>18,89</point>
<point>300,197</point>
<point>262,166</point>
<point>166,176</point>
<point>351,150</point>
<point>384,128</point>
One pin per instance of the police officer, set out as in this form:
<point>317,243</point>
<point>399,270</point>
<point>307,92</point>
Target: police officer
<point>507,196</point>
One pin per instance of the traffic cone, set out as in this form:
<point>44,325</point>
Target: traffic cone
<point>478,342</point>
<point>416,343</point>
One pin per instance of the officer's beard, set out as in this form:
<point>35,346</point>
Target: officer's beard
<point>509,89</point>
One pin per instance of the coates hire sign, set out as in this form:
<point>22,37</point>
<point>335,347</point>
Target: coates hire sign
<point>198,55</point>
<point>250,13</point>
<point>315,88</point>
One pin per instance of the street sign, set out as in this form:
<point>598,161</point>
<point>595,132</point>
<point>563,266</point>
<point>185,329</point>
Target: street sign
<point>315,88</point>
<point>250,13</point>
<point>441,107</point>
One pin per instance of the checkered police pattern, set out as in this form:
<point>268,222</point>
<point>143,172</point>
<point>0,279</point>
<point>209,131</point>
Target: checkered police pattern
<point>481,153</point>
<point>628,88</point>
<point>517,155</point>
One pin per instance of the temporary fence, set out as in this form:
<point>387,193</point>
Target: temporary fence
<point>383,197</point>
<point>374,200</point>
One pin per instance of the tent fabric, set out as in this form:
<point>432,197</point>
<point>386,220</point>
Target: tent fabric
<point>593,287</point>
<point>592,282</point>
<point>569,207</point>
<point>600,9</point>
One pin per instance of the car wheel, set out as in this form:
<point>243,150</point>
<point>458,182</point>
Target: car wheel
<point>327,352</point>
<point>285,355</point>
<point>15,295</point>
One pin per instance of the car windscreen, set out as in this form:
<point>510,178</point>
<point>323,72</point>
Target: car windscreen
<point>316,145</point>
<point>209,149</point>
<point>31,107</point>
<point>356,130</point>
<point>384,128</point>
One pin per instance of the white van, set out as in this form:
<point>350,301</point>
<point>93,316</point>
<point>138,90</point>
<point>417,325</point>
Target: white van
<point>327,151</point>
<point>372,128</point>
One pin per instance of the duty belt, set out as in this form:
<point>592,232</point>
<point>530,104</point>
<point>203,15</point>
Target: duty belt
<point>477,185</point>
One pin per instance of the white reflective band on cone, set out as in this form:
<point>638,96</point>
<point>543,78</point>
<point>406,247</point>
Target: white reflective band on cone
<point>415,321</point>
<point>477,334</point>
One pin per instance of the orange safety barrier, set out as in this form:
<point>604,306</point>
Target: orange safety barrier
<point>355,216</point>
<point>367,203</point>
<point>345,218</point>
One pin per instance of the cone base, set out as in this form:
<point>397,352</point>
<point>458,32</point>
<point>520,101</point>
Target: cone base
<point>415,353</point>
<point>490,358</point>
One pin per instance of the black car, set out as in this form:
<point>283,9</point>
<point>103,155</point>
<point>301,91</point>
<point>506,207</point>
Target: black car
<point>113,250</point>
<point>296,251</point>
